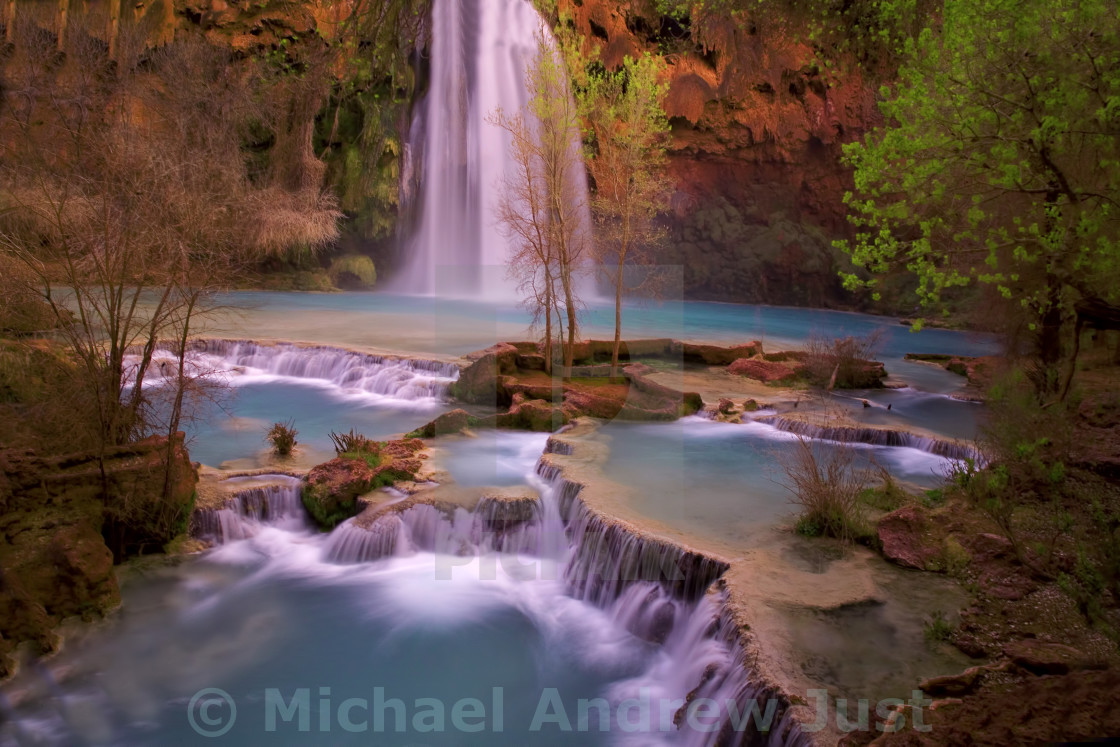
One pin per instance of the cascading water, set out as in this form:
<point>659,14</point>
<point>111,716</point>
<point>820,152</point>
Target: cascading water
<point>278,504</point>
<point>382,378</point>
<point>480,51</point>
<point>286,599</point>
<point>952,450</point>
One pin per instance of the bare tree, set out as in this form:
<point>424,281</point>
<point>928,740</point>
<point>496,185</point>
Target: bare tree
<point>542,205</point>
<point>125,202</point>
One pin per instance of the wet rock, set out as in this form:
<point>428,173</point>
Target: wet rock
<point>1040,657</point>
<point>726,406</point>
<point>332,490</point>
<point>906,538</point>
<point>952,684</point>
<point>481,381</point>
<point>534,415</point>
<point>768,372</point>
<point>449,422</point>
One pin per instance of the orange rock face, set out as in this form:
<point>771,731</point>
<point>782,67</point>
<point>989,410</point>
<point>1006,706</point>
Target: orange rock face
<point>756,138</point>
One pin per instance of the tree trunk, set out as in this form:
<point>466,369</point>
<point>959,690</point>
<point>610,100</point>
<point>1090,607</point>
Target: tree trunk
<point>1049,346</point>
<point>63,12</point>
<point>617,314</point>
<point>114,27</point>
<point>10,22</point>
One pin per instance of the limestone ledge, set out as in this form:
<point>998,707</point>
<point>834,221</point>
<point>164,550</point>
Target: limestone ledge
<point>755,592</point>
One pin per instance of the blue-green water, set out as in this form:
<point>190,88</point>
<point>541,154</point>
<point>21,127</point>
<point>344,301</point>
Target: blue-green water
<point>727,481</point>
<point>441,326</point>
<point>235,427</point>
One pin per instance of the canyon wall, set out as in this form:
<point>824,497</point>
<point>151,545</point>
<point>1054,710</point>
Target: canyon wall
<point>757,127</point>
<point>757,130</point>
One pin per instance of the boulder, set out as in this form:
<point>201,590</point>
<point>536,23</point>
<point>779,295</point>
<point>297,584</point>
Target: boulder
<point>1040,657</point>
<point>768,372</point>
<point>332,489</point>
<point>952,684</point>
<point>449,422</point>
<point>726,406</point>
<point>906,538</point>
<point>480,382</point>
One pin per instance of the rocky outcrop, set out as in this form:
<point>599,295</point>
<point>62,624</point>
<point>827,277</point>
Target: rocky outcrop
<point>511,375</point>
<point>907,538</point>
<point>449,422</point>
<point>1040,657</point>
<point>333,488</point>
<point>62,532</point>
<point>481,382</point>
<point>768,372</point>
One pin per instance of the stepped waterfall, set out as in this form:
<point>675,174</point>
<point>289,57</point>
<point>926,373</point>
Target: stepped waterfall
<point>664,595</point>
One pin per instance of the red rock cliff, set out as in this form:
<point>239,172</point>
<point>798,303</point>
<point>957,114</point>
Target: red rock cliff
<point>755,150</point>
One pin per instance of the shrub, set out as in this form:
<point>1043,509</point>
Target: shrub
<point>845,362</point>
<point>888,496</point>
<point>827,487</point>
<point>282,436</point>
<point>352,442</point>
<point>938,627</point>
<point>354,271</point>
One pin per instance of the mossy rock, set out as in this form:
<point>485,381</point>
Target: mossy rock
<point>332,490</point>
<point>353,272</point>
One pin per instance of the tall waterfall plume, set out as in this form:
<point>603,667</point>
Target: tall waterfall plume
<point>480,52</point>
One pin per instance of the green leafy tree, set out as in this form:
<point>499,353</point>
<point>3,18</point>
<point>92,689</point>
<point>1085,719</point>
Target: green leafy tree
<point>627,165</point>
<point>999,164</point>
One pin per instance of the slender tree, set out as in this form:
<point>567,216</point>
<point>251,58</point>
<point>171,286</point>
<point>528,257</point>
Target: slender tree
<point>627,162</point>
<point>542,205</point>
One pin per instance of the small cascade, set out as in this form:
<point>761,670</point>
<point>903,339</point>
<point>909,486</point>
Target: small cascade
<point>495,526</point>
<point>947,449</point>
<point>248,510</point>
<point>404,379</point>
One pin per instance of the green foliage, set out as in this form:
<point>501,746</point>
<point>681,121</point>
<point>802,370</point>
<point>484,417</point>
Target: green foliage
<point>938,628</point>
<point>355,271</point>
<point>282,436</point>
<point>353,442</point>
<point>998,165</point>
<point>808,526</point>
<point>844,34</point>
<point>933,498</point>
<point>827,486</point>
<point>887,497</point>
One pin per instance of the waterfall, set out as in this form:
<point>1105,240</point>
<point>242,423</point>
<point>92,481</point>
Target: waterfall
<point>246,511</point>
<point>480,51</point>
<point>656,590</point>
<point>419,382</point>
<point>953,450</point>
